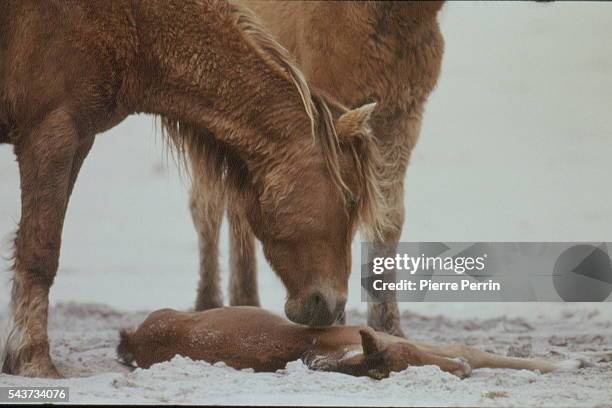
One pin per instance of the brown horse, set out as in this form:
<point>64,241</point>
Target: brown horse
<point>383,51</point>
<point>72,69</point>
<point>250,337</point>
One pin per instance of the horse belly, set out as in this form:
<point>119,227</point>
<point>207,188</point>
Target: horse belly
<point>4,134</point>
<point>5,128</point>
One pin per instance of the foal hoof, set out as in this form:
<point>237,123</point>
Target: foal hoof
<point>465,370</point>
<point>571,365</point>
<point>377,374</point>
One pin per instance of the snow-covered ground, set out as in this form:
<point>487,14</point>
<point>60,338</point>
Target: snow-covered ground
<point>516,146</point>
<point>84,337</point>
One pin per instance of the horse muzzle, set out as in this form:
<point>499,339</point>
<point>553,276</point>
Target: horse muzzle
<point>319,308</point>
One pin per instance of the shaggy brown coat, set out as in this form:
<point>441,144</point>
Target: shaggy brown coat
<point>388,52</point>
<point>72,69</point>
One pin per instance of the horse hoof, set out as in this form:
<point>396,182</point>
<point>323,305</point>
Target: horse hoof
<point>207,304</point>
<point>37,369</point>
<point>395,330</point>
<point>385,317</point>
<point>46,372</point>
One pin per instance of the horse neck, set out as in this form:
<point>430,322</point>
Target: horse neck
<point>389,18</point>
<point>408,24</point>
<point>209,73</point>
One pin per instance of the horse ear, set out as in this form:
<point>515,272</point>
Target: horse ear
<point>369,342</point>
<point>355,123</point>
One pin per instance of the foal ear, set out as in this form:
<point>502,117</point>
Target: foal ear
<point>355,123</point>
<point>369,342</point>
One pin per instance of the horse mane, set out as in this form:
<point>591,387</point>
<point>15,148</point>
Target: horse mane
<point>321,119</point>
<point>184,136</point>
<point>373,210</point>
<point>226,168</point>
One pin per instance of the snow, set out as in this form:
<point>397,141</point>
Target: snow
<point>84,337</point>
<point>515,146</point>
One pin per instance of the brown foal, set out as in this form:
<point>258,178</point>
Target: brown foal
<point>250,337</point>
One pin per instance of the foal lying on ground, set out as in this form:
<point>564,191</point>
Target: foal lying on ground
<point>250,337</point>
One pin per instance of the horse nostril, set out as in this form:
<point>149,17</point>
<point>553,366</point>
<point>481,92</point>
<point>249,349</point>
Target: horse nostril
<point>339,314</point>
<point>316,301</point>
<point>319,311</point>
<point>341,318</point>
<point>316,304</point>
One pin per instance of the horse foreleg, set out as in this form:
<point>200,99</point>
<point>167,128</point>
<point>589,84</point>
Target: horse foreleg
<point>243,259</point>
<point>81,153</point>
<point>207,203</point>
<point>396,135</point>
<point>46,165</point>
<point>383,314</point>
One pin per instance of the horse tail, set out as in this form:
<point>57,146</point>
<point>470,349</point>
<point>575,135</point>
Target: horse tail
<point>125,349</point>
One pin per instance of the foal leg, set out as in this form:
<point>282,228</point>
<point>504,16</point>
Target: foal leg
<point>207,201</point>
<point>376,367</point>
<point>379,359</point>
<point>46,164</point>
<point>481,359</point>
<point>243,260</point>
